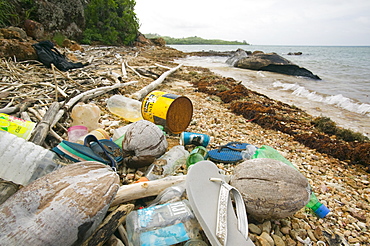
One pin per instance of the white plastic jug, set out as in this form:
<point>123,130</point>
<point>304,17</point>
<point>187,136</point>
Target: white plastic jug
<point>23,162</point>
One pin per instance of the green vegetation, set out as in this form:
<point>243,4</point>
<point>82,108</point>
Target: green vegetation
<point>326,125</point>
<point>8,14</point>
<point>195,40</point>
<point>111,22</point>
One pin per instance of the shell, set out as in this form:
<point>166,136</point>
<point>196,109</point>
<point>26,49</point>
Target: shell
<point>271,189</point>
<point>62,208</point>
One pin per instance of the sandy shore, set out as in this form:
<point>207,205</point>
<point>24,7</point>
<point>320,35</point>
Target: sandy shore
<point>341,186</point>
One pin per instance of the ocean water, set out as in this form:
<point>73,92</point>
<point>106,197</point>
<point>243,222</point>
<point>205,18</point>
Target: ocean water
<point>342,94</point>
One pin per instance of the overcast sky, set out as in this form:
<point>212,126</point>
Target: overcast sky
<point>260,22</point>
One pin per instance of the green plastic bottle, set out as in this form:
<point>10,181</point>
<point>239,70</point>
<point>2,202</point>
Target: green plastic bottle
<point>268,152</point>
<point>199,153</point>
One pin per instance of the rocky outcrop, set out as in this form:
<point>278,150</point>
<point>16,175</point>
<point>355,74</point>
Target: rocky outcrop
<point>14,45</point>
<point>271,62</point>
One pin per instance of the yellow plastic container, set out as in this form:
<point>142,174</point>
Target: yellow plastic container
<point>19,127</point>
<point>171,111</point>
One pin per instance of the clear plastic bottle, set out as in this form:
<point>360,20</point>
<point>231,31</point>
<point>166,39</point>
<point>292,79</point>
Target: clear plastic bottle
<point>168,163</point>
<point>86,115</point>
<point>170,194</point>
<point>161,225</point>
<point>125,107</point>
<point>23,162</point>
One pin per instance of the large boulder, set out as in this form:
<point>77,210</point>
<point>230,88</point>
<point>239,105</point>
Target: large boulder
<point>62,16</point>
<point>271,62</point>
<point>270,188</point>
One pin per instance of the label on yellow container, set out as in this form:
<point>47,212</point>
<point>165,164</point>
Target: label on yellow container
<point>19,127</point>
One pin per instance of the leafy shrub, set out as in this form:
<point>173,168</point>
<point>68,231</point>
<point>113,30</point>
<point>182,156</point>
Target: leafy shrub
<point>8,14</point>
<point>111,22</point>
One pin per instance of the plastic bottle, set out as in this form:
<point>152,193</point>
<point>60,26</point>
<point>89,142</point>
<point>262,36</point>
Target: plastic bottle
<point>124,107</point>
<point>199,153</point>
<point>170,194</point>
<point>168,163</point>
<point>23,162</point>
<point>86,115</point>
<point>164,224</point>
<point>249,152</point>
<point>268,152</point>
<point>19,127</point>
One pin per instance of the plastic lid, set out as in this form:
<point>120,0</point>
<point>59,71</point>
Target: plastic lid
<point>80,127</point>
<point>322,211</point>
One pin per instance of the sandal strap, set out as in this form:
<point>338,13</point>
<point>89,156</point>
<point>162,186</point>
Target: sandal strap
<point>91,138</point>
<point>221,226</point>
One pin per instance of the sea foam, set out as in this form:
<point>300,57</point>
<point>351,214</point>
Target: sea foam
<point>338,100</point>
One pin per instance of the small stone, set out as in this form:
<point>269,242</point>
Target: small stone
<point>353,240</point>
<point>262,241</point>
<point>254,229</point>
<point>285,230</point>
<point>266,226</point>
<point>278,240</point>
<point>268,238</point>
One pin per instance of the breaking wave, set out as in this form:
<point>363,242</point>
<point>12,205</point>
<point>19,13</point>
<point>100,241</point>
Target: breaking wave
<point>338,100</point>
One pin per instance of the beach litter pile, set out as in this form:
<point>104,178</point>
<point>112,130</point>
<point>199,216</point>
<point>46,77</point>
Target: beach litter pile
<point>167,169</point>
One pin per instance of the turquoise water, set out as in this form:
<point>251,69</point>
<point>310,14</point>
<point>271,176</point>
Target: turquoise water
<point>342,94</point>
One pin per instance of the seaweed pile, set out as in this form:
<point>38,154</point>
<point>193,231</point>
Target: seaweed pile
<point>275,115</point>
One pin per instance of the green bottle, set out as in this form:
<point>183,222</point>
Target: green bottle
<point>268,152</point>
<point>199,153</point>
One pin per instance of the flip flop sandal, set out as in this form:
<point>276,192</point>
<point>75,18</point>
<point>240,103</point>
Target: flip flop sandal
<point>225,154</point>
<point>96,150</point>
<point>209,197</point>
<point>238,146</point>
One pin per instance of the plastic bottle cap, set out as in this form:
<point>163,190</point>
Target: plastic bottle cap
<point>322,211</point>
<point>78,127</point>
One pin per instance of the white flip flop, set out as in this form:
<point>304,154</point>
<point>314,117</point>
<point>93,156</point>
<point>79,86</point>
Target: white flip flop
<point>209,197</point>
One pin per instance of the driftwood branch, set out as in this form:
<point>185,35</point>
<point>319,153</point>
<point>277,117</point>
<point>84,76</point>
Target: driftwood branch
<point>143,92</point>
<point>109,226</point>
<point>43,127</point>
<point>144,189</point>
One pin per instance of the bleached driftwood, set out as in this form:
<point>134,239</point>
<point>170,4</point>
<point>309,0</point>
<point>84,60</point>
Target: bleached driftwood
<point>144,189</point>
<point>144,91</point>
<point>134,70</point>
<point>123,70</point>
<point>43,127</point>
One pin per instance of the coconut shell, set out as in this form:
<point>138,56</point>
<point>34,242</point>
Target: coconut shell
<point>270,188</point>
<point>143,142</point>
<point>62,208</point>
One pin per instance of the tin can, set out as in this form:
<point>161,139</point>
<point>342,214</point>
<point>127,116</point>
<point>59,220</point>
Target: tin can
<point>171,111</point>
<point>197,139</point>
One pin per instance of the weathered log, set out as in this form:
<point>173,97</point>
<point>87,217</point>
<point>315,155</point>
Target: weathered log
<point>61,208</point>
<point>43,127</point>
<point>109,226</point>
<point>145,189</point>
<point>144,91</point>
<point>114,241</point>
